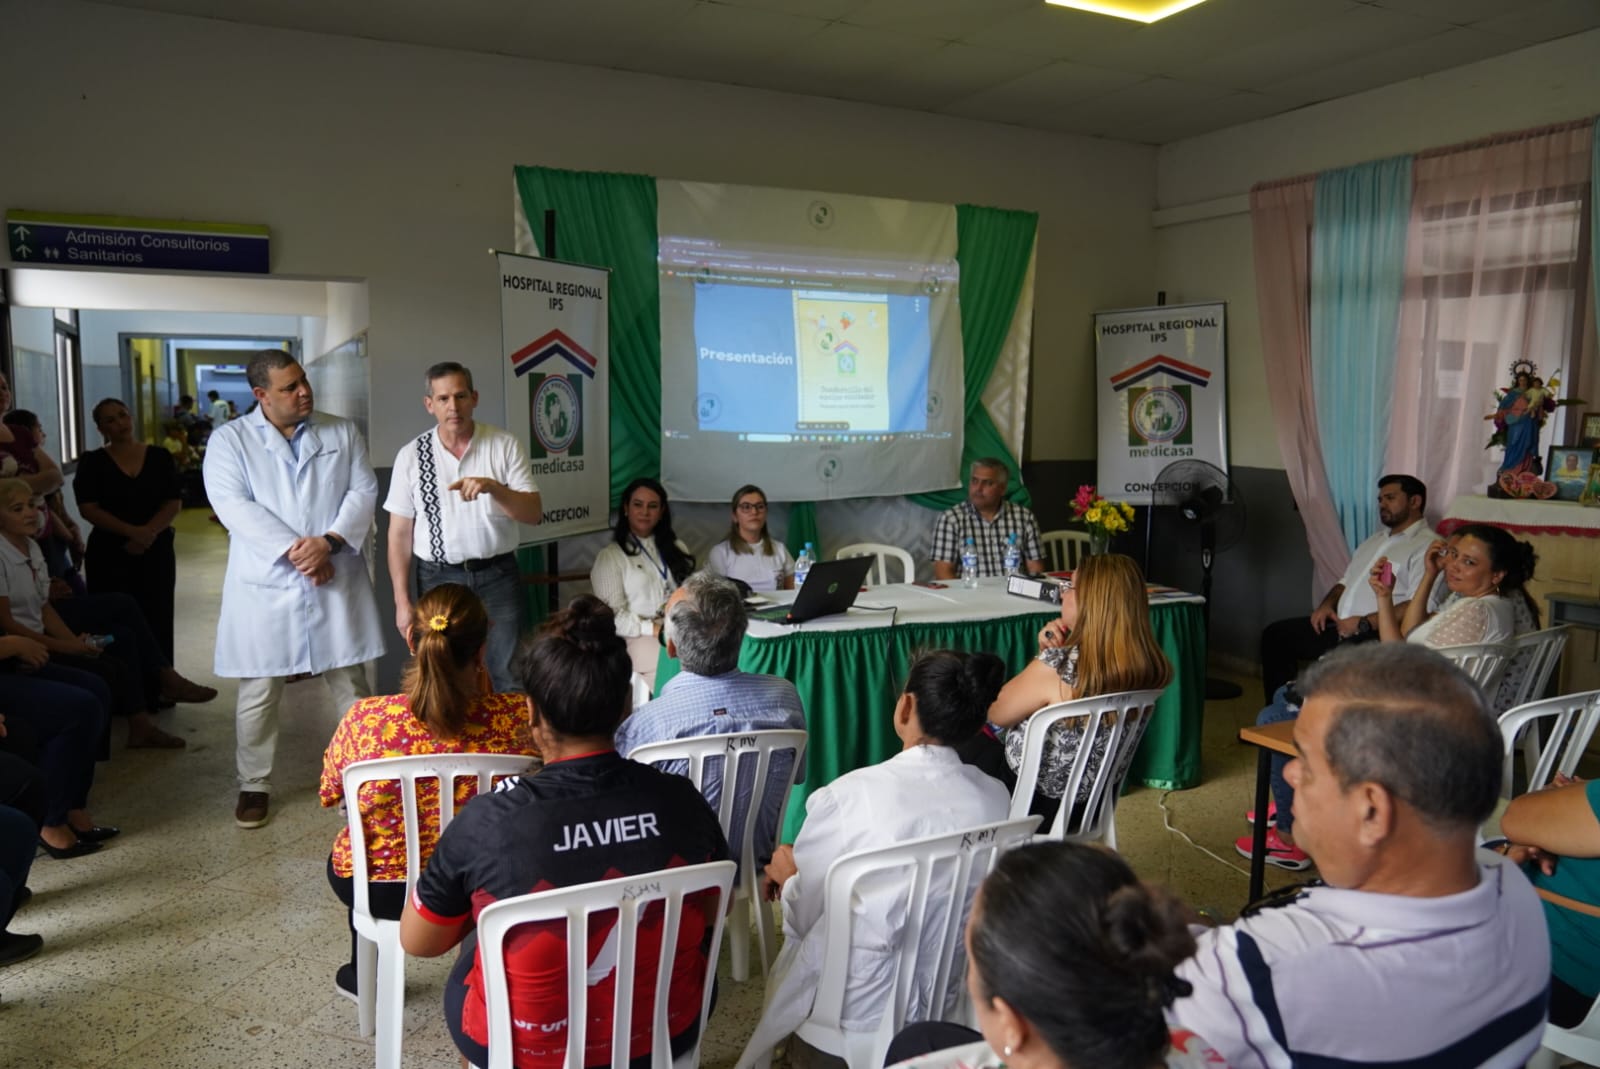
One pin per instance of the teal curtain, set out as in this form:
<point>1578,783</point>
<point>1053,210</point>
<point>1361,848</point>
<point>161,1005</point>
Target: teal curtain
<point>609,220</point>
<point>1358,248</point>
<point>993,246</point>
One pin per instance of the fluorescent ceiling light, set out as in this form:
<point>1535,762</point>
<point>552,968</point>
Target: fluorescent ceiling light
<point>1137,10</point>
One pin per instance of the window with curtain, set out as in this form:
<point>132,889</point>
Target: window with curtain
<point>1497,272</point>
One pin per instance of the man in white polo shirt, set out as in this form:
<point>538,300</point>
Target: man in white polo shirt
<point>1421,950</point>
<point>456,497</point>
<point>1349,612</point>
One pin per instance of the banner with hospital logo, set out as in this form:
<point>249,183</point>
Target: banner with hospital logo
<point>553,334</point>
<point>1161,383</point>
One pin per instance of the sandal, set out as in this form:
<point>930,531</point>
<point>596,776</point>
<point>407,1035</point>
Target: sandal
<point>184,690</point>
<point>156,739</point>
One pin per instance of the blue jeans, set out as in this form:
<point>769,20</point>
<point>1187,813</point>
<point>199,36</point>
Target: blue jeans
<point>68,711</point>
<point>17,847</point>
<point>1282,794</point>
<point>499,587</point>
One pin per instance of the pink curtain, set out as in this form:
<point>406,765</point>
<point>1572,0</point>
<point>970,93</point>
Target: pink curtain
<point>1497,270</point>
<point>1280,220</point>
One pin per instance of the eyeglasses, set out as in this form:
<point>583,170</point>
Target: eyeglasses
<point>752,506</point>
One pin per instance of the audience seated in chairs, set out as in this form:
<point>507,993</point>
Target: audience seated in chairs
<point>1102,644</point>
<point>16,858</point>
<point>587,815</point>
<point>1486,571</point>
<point>1420,949</point>
<point>1555,836</point>
<point>923,790</point>
<point>447,706</point>
<point>1070,963</point>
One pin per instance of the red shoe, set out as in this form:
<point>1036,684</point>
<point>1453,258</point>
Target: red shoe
<point>1279,853</point>
<point>1272,814</point>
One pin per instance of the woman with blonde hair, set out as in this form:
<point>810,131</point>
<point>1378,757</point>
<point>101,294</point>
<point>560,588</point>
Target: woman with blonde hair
<point>1102,644</point>
<point>447,706</point>
<point>749,553</point>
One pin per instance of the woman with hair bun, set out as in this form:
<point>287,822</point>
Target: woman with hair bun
<point>1071,965</point>
<point>923,790</point>
<point>446,706</point>
<point>587,815</point>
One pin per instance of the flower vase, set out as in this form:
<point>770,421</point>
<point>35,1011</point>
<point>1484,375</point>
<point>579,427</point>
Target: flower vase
<point>1099,542</point>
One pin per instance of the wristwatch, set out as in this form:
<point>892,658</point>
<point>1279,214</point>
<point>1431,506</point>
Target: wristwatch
<point>334,545</point>
<point>1364,627</point>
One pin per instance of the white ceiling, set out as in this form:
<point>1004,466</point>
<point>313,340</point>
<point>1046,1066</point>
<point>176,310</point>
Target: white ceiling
<point>1010,61</point>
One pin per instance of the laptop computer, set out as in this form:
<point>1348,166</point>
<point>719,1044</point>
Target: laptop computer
<point>830,587</point>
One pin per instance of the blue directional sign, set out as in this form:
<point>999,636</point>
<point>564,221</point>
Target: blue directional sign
<point>116,241</point>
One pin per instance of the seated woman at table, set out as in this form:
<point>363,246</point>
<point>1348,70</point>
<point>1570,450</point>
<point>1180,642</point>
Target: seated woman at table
<point>1071,962</point>
<point>446,705</point>
<point>923,790</point>
<point>1555,835</point>
<point>557,828</point>
<point>749,553</point>
<point>1102,644</point>
<point>1486,571</point>
<point>639,569</point>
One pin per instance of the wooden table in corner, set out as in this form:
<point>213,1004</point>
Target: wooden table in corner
<point>1268,739</point>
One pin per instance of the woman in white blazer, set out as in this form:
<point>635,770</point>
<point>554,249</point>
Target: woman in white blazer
<point>639,569</point>
<point>923,790</point>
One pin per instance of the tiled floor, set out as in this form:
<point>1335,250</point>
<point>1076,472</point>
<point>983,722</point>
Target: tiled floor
<point>190,942</point>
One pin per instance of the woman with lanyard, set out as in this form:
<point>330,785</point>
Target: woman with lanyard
<point>641,567</point>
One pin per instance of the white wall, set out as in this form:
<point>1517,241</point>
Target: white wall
<point>98,331</point>
<point>393,164</point>
<point>1212,258</point>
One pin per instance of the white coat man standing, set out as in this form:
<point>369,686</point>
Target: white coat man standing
<point>456,497</point>
<point>296,492</point>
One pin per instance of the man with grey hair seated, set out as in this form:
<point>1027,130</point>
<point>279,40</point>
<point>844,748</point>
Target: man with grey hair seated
<point>704,628</point>
<point>1420,950</point>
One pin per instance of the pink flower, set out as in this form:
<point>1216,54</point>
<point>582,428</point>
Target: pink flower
<point>1084,499</point>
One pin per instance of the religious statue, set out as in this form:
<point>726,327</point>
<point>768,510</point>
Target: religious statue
<point>1519,416</point>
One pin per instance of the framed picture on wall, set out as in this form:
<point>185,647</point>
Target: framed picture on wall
<point>1590,430</point>
<point>1568,467</point>
<point>1591,489</point>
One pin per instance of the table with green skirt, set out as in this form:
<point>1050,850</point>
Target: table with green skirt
<point>849,670</point>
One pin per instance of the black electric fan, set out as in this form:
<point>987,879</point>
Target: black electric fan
<point>1202,497</point>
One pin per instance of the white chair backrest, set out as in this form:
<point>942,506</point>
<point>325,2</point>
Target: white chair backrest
<point>1064,549</point>
<point>880,570</point>
<point>1536,655</point>
<point>408,772</point>
<point>1485,662</point>
<point>741,757</point>
<point>627,896</point>
<point>1099,767</point>
<point>1572,719</point>
<point>641,690</point>
<point>927,977</point>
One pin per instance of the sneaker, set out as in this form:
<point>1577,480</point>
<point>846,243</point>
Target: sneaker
<point>344,982</point>
<point>251,812</point>
<point>1272,814</point>
<point>15,948</point>
<point>1279,853</point>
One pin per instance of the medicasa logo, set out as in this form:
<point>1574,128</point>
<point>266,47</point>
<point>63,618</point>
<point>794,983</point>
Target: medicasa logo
<point>1160,414</point>
<point>555,396</point>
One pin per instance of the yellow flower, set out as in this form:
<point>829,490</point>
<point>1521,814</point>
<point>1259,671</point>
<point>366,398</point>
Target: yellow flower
<point>1093,516</point>
<point>1127,511</point>
<point>438,622</point>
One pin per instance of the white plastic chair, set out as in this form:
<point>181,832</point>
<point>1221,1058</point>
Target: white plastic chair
<point>574,906</point>
<point>1580,1042</point>
<point>927,959</point>
<point>380,963</point>
<point>1542,651</point>
<point>1121,719</point>
<point>1572,721</point>
<point>745,756</point>
<point>1063,550</point>
<point>641,690</point>
<point>880,570</point>
<point>1485,662</point>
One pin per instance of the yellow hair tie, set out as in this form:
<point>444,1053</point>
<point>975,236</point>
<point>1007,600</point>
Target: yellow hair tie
<point>438,622</point>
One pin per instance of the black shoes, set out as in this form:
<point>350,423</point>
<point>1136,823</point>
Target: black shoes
<point>15,948</point>
<point>64,853</point>
<point>97,833</point>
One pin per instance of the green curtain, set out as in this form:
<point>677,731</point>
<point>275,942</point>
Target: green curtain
<point>609,220</point>
<point>1594,222</point>
<point>803,528</point>
<point>993,246</point>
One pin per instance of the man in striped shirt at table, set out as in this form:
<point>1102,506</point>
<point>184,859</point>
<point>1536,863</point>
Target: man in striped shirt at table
<point>989,520</point>
<point>1421,950</point>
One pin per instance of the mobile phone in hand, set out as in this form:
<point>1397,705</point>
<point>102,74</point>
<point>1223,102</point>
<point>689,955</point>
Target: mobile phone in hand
<point>1386,574</point>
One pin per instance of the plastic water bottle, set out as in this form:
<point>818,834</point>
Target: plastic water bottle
<point>1013,556</point>
<point>969,565</point>
<point>802,565</point>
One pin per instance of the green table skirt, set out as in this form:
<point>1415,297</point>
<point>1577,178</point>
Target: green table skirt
<point>849,680</point>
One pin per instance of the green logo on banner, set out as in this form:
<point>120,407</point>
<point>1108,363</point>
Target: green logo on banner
<point>1159,415</point>
<point>555,412</point>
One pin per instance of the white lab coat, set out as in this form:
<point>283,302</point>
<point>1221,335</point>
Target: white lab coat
<point>275,621</point>
<point>925,790</point>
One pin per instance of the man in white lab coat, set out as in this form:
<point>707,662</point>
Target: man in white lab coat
<point>296,492</point>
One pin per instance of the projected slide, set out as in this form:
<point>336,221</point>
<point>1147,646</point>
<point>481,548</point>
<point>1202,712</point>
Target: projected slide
<point>810,346</point>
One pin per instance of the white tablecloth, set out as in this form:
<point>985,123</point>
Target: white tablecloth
<point>1521,514</point>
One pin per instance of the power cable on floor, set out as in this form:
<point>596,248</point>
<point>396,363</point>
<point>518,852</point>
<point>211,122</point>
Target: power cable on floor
<point>1166,822</point>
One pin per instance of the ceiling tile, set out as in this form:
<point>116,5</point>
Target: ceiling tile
<point>945,19</point>
<point>1459,12</point>
<point>841,57</point>
<point>817,9</point>
<point>716,43</point>
<point>599,33</point>
<point>1545,20</point>
<point>1203,117</point>
<point>1176,44</point>
<point>1054,32</point>
<point>1047,89</point>
<point>1451,48</point>
<point>950,73</point>
<point>1144,103</point>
